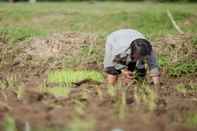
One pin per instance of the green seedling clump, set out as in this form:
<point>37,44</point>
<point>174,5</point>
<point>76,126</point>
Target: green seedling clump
<point>69,76</point>
<point>64,80</point>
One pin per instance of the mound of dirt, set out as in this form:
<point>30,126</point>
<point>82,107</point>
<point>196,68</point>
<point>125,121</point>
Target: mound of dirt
<point>31,60</point>
<point>59,45</point>
<point>38,55</point>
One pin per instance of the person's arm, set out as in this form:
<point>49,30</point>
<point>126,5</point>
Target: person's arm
<point>154,68</point>
<point>108,62</point>
<point>128,74</point>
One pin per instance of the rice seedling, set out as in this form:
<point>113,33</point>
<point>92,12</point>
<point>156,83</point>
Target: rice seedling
<point>120,101</point>
<point>68,77</point>
<point>58,91</point>
<point>11,83</point>
<point>62,81</point>
<point>14,85</point>
<point>19,92</point>
<point>3,84</point>
<point>111,90</point>
<point>146,96</point>
<point>79,108</point>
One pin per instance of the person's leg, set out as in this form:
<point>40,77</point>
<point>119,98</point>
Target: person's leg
<point>112,75</point>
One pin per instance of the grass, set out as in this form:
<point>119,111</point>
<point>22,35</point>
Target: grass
<point>150,18</point>
<point>13,35</point>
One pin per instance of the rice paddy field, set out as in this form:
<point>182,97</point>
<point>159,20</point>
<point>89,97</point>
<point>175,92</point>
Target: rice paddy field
<point>51,71</point>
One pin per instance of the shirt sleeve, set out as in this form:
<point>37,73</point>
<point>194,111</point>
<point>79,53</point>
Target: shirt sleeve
<point>153,65</point>
<point>108,53</point>
<point>109,58</point>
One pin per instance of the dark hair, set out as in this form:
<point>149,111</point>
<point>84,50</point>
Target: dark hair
<point>141,46</point>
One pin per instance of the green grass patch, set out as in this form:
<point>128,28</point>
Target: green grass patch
<point>63,80</point>
<point>149,18</point>
<point>12,35</point>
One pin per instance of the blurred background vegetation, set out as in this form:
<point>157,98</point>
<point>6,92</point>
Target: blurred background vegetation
<point>105,0</point>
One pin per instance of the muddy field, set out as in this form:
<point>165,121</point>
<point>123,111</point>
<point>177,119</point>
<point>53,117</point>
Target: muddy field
<point>92,106</point>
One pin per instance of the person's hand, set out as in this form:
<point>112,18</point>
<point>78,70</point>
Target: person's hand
<point>156,81</point>
<point>127,74</point>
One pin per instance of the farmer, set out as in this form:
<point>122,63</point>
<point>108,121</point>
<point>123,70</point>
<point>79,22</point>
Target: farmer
<point>125,53</point>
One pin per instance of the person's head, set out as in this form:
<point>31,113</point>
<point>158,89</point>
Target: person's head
<point>140,48</point>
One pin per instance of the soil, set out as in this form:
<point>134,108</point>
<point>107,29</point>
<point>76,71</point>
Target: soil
<point>28,63</point>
